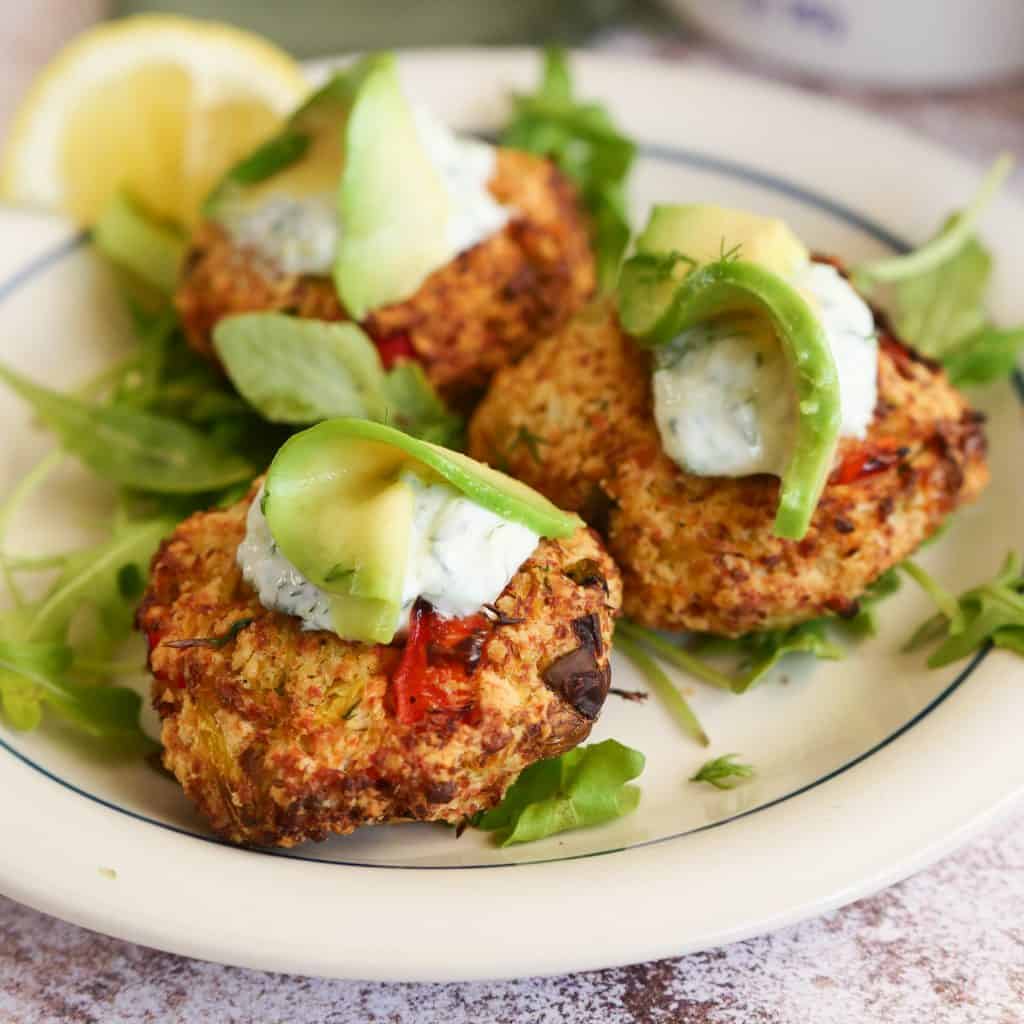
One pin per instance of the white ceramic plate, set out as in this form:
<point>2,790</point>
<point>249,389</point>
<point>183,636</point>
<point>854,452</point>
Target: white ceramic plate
<point>868,769</point>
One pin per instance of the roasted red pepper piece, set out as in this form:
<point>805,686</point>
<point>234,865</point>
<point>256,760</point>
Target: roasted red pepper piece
<point>866,460</point>
<point>439,658</point>
<point>394,349</point>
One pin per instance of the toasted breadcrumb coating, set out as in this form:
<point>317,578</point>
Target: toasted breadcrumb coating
<point>469,318</point>
<point>280,735</point>
<point>575,420</point>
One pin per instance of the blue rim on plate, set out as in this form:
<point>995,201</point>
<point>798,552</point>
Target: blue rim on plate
<point>669,154</point>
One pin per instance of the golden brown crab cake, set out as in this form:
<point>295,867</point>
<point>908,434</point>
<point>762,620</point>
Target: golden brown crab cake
<point>468,319</point>
<point>575,421</point>
<point>281,735</point>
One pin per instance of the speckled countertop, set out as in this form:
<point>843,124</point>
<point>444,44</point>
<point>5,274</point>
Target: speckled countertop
<point>945,947</point>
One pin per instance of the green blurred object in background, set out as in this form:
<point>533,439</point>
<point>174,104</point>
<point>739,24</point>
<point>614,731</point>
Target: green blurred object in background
<point>310,28</point>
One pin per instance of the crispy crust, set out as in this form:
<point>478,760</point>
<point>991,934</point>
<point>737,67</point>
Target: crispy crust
<point>281,736</point>
<point>483,310</point>
<point>698,553</point>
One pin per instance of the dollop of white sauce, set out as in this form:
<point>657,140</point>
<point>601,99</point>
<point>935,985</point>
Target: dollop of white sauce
<point>724,401</point>
<point>465,166</point>
<point>461,557</point>
<point>300,233</point>
<point>297,233</point>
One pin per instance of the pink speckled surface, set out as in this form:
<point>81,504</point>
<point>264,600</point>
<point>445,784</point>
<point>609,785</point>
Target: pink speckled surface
<point>944,947</point>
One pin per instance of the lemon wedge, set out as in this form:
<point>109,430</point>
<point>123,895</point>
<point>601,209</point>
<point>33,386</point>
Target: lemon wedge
<point>155,104</point>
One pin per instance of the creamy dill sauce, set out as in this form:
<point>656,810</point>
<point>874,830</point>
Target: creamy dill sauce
<point>723,398</point>
<point>461,557</point>
<point>300,233</point>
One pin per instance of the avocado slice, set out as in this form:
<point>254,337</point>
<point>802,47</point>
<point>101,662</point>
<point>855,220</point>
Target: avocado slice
<point>306,155</point>
<point>704,233</point>
<point>340,509</point>
<point>393,205</point>
<point>657,306</point>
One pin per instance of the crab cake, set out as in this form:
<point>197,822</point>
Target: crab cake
<point>575,419</point>
<point>468,319</point>
<point>281,735</point>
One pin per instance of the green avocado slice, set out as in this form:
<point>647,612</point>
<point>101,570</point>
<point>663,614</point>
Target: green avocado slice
<point>392,203</point>
<point>306,154</point>
<point>340,510</point>
<point>705,232</point>
<point>660,297</point>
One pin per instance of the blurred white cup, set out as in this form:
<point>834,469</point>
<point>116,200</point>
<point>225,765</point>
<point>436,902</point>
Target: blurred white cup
<point>895,44</point>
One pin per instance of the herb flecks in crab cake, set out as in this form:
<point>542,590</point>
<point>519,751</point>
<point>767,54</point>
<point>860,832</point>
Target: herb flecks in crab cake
<point>447,250</point>
<point>754,443</point>
<point>472,642</point>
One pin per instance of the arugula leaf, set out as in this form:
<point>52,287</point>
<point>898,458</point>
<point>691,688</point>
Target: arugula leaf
<point>757,652</point>
<point>946,602</point>
<point>300,371</point>
<point>268,159</point>
<point>984,356</point>
<point>936,295</point>
<point>21,492</point>
<point>93,576</point>
<point>34,674</point>
<point>583,141</point>
<point>958,230</point>
<point>936,310</point>
<point>22,666</point>
<point>134,448</point>
<point>138,242</point>
<point>628,640</point>
<point>39,663</point>
<point>323,111</point>
<point>723,772</point>
<point>760,652</point>
<point>990,613</point>
<point>865,622</point>
<point>413,405</point>
<point>304,371</point>
<point>585,786</point>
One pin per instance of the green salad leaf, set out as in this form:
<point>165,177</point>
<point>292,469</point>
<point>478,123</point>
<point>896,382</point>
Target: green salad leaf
<point>585,786</point>
<point>760,652</point>
<point>165,428</point>
<point>323,113</point>
<point>412,405</point>
<point>583,141</point>
<point>300,371</point>
<point>53,650</point>
<point>268,159</point>
<point>26,671</point>
<point>990,613</point>
<point>138,242</point>
<point>865,622</point>
<point>935,310</point>
<point>100,577</point>
<point>629,641</point>
<point>35,675</point>
<point>984,356</point>
<point>304,371</point>
<point>132,447</point>
<point>958,230</point>
<point>937,295</point>
<point>723,772</point>
<point>755,654</point>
